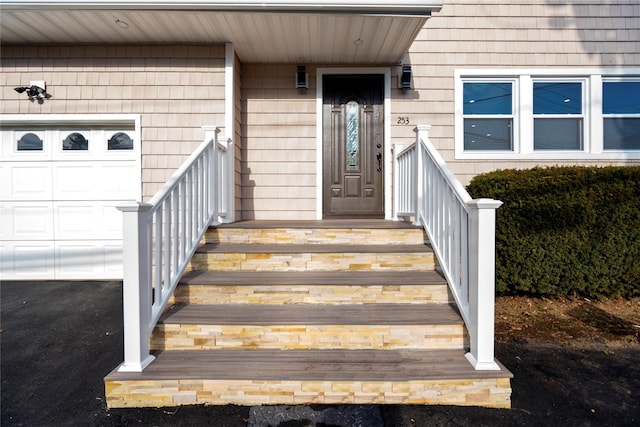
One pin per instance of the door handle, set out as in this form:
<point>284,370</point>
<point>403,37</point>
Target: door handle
<point>379,157</point>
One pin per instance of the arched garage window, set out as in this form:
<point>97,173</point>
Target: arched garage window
<point>75,141</point>
<point>120,141</point>
<point>30,142</point>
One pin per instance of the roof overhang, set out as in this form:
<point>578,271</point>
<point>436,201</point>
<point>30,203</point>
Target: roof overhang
<point>282,31</point>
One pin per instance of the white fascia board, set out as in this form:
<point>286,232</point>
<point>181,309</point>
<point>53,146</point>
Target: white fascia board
<point>402,7</point>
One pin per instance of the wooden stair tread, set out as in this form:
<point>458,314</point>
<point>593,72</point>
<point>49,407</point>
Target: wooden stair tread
<point>279,248</point>
<point>309,314</point>
<point>311,278</point>
<point>309,365</point>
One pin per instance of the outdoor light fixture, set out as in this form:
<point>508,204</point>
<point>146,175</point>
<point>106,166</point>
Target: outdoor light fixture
<point>302,78</point>
<point>35,91</point>
<point>404,79</point>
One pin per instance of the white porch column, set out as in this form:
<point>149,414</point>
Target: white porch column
<point>482,289</point>
<point>136,287</point>
<point>229,131</point>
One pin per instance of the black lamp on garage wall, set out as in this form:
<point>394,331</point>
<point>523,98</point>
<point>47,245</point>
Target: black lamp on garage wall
<point>37,90</point>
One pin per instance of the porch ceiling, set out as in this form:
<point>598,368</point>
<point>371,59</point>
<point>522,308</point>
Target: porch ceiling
<point>284,31</point>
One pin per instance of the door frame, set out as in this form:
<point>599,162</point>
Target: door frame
<point>388,161</point>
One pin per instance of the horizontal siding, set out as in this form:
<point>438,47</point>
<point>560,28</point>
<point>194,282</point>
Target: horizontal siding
<point>175,89</point>
<point>279,141</point>
<point>509,34</point>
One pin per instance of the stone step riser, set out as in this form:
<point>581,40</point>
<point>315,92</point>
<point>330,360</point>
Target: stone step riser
<point>314,261</point>
<point>290,337</point>
<point>490,392</point>
<point>316,236</point>
<point>316,294</point>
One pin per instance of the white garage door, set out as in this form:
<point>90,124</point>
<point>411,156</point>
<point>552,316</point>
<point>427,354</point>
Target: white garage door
<point>59,188</point>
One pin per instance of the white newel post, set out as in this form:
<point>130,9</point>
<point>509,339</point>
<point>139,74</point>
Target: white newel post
<point>482,261</point>
<point>422,134</point>
<point>397,181</point>
<point>136,287</point>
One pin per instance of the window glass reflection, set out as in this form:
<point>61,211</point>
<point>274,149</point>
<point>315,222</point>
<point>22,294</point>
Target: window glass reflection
<point>557,134</point>
<point>30,142</point>
<point>488,134</point>
<point>621,98</point>
<point>557,98</point>
<point>120,141</point>
<point>75,141</point>
<point>487,98</point>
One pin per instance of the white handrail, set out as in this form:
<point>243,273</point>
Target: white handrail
<point>462,234</point>
<point>161,236</point>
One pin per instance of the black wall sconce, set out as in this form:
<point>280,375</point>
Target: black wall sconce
<point>37,90</point>
<point>404,79</point>
<point>302,78</point>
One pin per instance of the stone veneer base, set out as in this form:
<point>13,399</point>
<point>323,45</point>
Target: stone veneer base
<point>488,392</point>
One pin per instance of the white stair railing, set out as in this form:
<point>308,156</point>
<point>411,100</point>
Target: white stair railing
<point>462,233</point>
<point>161,236</point>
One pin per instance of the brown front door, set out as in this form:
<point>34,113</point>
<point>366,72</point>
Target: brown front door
<point>353,176</point>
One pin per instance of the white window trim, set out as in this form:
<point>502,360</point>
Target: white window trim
<point>523,114</point>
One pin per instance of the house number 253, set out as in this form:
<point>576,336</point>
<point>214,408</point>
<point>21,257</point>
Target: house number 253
<point>403,120</point>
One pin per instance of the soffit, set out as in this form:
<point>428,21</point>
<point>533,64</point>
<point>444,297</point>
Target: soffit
<point>281,33</point>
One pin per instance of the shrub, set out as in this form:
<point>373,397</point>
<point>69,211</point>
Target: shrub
<point>566,230</point>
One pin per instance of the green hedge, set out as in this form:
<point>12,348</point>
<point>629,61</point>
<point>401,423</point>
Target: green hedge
<point>566,230</point>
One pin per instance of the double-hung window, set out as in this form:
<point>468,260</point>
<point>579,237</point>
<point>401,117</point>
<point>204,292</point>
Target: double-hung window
<point>488,116</point>
<point>558,121</point>
<point>621,114</point>
<point>547,114</point>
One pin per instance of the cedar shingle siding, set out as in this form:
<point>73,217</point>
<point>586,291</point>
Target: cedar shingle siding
<point>178,89</point>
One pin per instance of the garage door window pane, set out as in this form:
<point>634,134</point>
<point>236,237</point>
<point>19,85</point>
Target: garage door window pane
<point>30,142</point>
<point>75,141</point>
<point>120,141</point>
